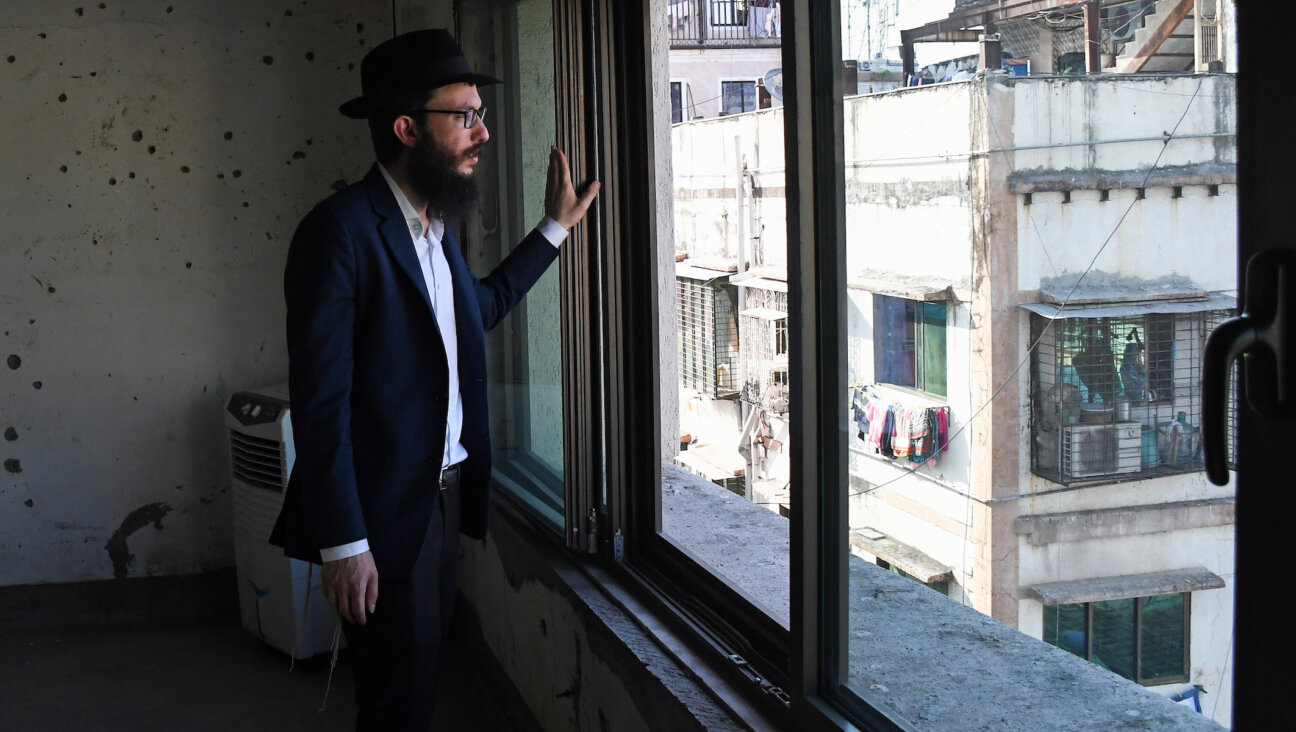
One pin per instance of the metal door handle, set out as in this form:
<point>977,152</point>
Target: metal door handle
<point>1264,334</point>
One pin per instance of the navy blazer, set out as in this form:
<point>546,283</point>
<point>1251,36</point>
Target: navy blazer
<point>368,378</point>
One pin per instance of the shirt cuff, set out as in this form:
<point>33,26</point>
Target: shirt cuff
<point>552,230</point>
<point>334,553</point>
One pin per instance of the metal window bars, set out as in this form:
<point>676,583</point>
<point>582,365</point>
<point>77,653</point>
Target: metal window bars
<point>723,22</point>
<point>1118,398</point>
<point>708,336</point>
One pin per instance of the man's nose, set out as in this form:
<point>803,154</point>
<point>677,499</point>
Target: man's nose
<point>479,132</point>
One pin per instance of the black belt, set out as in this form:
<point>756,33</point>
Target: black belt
<point>450,477</point>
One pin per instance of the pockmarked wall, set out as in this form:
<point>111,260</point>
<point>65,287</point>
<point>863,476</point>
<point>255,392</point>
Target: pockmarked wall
<point>156,159</point>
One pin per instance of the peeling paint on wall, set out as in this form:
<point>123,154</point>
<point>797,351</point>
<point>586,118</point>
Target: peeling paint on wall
<point>118,552</point>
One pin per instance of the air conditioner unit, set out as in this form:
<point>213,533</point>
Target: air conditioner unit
<point>273,589</point>
<point>1088,450</point>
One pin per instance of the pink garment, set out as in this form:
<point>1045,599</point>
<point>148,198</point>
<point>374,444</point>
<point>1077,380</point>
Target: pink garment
<point>876,412</point>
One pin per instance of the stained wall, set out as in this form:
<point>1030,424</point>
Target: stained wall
<point>155,161</point>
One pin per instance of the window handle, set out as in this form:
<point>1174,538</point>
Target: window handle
<point>1265,333</point>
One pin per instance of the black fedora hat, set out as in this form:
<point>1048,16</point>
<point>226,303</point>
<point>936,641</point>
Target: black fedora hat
<point>411,62</point>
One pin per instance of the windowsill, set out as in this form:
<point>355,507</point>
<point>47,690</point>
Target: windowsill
<point>936,663</point>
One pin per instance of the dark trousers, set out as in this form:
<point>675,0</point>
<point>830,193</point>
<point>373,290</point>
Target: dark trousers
<point>395,652</point>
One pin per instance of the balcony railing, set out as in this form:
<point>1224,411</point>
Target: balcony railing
<point>724,22</point>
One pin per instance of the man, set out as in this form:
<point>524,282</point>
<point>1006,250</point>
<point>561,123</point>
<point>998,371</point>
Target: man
<point>387,369</point>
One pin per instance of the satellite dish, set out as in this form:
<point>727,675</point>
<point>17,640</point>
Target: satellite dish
<point>774,83</point>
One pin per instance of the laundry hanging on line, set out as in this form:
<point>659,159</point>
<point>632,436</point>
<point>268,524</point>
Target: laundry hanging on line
<point>895,431</point>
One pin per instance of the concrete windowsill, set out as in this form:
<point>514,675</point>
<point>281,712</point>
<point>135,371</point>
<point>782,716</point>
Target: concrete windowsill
<point>934,662</point>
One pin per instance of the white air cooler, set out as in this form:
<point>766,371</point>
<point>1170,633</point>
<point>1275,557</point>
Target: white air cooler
<point>272,587</point>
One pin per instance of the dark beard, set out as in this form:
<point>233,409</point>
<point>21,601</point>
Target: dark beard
<point>432,174</point>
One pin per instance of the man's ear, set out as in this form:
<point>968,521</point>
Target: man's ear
<point>406,130</point>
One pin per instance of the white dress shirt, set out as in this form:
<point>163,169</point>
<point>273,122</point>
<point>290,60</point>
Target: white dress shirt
<point>436,277</point>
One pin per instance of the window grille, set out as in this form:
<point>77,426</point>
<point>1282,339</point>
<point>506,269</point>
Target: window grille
<point>1118,398</point>
<point>764,349</point>
<point>708,336</point>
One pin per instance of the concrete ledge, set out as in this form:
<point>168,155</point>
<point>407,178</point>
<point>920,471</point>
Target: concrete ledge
<point>936,663</point>
<point>1126,586</point>
<point>1052,528</point>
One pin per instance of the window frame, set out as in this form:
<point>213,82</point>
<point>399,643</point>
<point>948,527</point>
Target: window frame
<point>1138,678</point>
<point>920,322</point>
<point>743,84</point>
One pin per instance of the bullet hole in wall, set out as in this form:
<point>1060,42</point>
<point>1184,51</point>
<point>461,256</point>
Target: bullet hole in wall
<point>184,168</point>
<point>229,135</point>
<point>62,97</point>
<point>169,8</point>
<point>14,362</point>
<point>245,204</point>
<point>79,12</point>
<point>29,503</point>
<point>287,13</point>
<point>237,173</point>
<point>267,60</point>
<point>298,155</point>
<point>137,135</point>
<point>188,265</point>
<point>152,149</point>
<point>10,434</point>
<point>37,385</point>
<point>13,466</point>
<point>112,181</point>
<point>62,168</point>
<point>310,56</point>
<point>50,289</point>
<point>103,6</point>
<point>131,175</point>
<point>12,59</point>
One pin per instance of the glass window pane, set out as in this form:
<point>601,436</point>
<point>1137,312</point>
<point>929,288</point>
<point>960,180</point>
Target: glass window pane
<point>1064,627</point>
<point>933,348</point>
<point>1162,652</point>
<point>526,350</point>
<point>1047,295</point>
<point>723,292</point>
<point>1113,636</point>
<point>893,341</point>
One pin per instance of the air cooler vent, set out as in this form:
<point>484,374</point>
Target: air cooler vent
<point>258,461</point>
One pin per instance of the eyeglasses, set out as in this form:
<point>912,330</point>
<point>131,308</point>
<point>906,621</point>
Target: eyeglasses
<point>470,116</point>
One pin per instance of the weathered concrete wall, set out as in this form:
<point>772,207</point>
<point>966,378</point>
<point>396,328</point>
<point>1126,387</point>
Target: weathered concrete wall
<point>710,220</point>
<point>577,660</point>
<point>909,207</point>
<point>157,158</point>
<point>1193,235</point>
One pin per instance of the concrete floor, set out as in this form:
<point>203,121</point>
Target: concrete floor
<point>207,677</point>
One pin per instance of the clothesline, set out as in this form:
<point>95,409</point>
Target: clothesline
<point>896,431</point>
